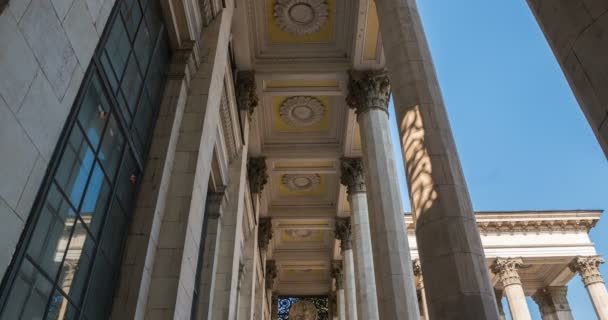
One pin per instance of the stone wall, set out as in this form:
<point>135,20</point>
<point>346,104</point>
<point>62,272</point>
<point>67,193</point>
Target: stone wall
<point>46,48</point>
<point>577,30</point>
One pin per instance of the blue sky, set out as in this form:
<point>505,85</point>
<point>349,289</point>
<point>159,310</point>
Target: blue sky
<point>521,136</point>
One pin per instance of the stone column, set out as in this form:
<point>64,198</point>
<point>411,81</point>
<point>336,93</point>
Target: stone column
<point>506,269</point>
<point>352,177</point>
<point>343,233</point>
<point>576,31</point>
<point>553,303</point>
<point>264,236</point>
<point>424,311</point>
<point>448,239</point>
<point>501,311</point>
<point>337,274</point>
<point>588,268</point>
<point>368,95</point>
<point>210,253</point>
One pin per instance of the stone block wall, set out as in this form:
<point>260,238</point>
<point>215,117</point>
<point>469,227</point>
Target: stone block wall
<point>46,47</point>
<point>577,31</point>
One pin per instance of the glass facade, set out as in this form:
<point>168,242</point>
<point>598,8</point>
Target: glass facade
<point>67,265</point>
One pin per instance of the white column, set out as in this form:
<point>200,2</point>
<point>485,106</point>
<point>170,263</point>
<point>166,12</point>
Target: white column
<point>353,178</point>
<point>343,233</point>
<point>264,236</point>
<point>396,293</point>
<point>506,269</point>
<point>446,231</point>
<point>338,275</point>
<point>553,303</point>
<point>588,268</point>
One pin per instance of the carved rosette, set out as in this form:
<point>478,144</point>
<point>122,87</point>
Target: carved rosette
<point>246,98</point>
<point>264,233</point>
<point>256,172</point>
<point>301,182</point>
<point>506,269</point>
<point>551,300</point>
<point>368,90</point>
<point>588,268</point>
<point>343,233</point>
<point>337,274</point>
<point>352,175</point>
<point>301,17</point>
<point>302,111</point>
<point>271,273</point>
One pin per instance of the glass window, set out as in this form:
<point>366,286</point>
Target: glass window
<point>29,296</point>
<point>131,15</point>
<point>131,84</point>
<point>75,166</point>
<point>111,148</point>
<point>95,202</point>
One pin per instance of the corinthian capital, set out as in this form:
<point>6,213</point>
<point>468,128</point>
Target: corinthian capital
<point>336,273</point>
<point>256,172</point>
<point>588,267</point>
<point>343,233</point>
<point>352,175</point>
<point>264,233</point>
<point>506,269</point>
<point>368,90</point>
<point>246,97</point>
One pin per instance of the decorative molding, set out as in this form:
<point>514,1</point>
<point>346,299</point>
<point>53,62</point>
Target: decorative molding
<point>301,182</point>
<point>352,175</point>
<point>368,90</point>
<point>343,233</point>
<point>264,233</point>
<point>256,172</point>
<point>588,268</point>
<point>227,127</point>
<point>301,17</point>
<point>551,300</point>
<point>302,111</point>
<point>337,274</point>
<point>506,269</point>
<point>536,225</point>
<point>246,96</point>
<point>271,274</point>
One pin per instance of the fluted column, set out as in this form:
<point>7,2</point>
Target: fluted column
<point>343,233</point>
<point>368,95</point>
<point>424,311</point>
<point>553,304</point>
<point>588,268</point>
<point>338,275</point>
<point>448,239</point>
<point>353,178</point>
<point>506,269</point>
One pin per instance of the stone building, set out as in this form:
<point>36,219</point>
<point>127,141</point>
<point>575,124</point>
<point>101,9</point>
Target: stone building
<point>207,159</point>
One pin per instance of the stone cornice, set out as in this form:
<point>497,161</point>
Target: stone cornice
<point>343,233</point>
<point>532,221</point>
<point>256,172</point>
<point>506,269</point>
<point>588,267</point>
<point>246,97</point>
<point>368,90</point>
<point>352,175</point>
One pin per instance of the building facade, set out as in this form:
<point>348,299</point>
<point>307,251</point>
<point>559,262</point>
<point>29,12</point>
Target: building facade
<point>231,160</point>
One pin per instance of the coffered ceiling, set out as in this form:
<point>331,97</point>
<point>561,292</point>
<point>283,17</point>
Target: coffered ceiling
<point>301,51</point>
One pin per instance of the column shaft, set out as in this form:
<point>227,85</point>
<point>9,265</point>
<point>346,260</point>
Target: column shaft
<point>588,268</point>
<point>350,291</point>
<point>599,297</point>
<point>341,304</point>
<point>506,269</point>
<point>553,303</point>
<point>447,235</point>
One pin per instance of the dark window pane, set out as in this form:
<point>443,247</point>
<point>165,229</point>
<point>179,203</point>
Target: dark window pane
<point>142,124</point>
<point>143,47</point>
<point>75,269</point>
<point>131,15</point>
<point>74,166</point>
<point>95,202</point>
<point>111,147</point>
<point>122,103</point>
<point>131,84</point>
<point>109,71</point>
<point>52,232</point>
<point>153,17</point>
<point>29,294</point>
<point>113,234</point>
<point>60,308</point>
<point>127,181</point>
<point>94,112</point>
<point>101,286</point>
<point>118,47</point>
<point>156,74</point>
